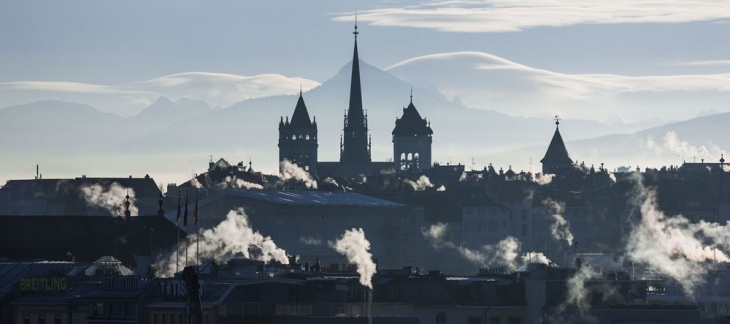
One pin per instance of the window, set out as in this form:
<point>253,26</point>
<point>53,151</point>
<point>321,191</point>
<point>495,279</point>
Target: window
<point>180,318</point>
<point>495,320</point>
<point>57,319</point>
<point>172,319</point>
<point>524,215</point>
<point>41,318</point>
<point>307,137</point>
<point>514,320</point>
<point>524,229</point>
<point>26,319</point>
<point>440,317</point>
<point>154,318</point>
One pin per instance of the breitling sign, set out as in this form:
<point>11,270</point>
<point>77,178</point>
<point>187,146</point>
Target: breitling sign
<point>43,284</point>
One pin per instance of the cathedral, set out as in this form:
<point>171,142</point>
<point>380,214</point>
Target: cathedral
<point>411,138</point>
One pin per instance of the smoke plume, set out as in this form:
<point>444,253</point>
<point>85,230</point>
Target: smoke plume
<point>674,246</point>
<point>542,179</point>
<point>292,171</point>
<point>232,236</point>
<point>419,185</point>
<point>111,198</point>
<point>560,227</point>
<point>504,253</point>
<point>356,248</point>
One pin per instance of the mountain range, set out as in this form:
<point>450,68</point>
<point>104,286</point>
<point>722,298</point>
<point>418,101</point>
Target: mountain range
<point>171,140</point>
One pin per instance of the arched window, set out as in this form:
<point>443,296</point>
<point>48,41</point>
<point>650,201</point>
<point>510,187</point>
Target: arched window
<point>294,137</point>
<point>307,137</point>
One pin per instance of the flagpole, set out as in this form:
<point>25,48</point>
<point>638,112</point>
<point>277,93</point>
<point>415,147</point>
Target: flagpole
<point>185,223</point>
<point>177,233</point>
<point>197,233</point>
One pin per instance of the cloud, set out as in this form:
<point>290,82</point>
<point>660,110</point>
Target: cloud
<point>216,89</point>
<point>492,16</point>
<point>701,63</point>
<point>486,81</point>
<point>223,90</point>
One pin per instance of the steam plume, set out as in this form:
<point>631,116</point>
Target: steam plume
<point>356,248</point>
<point>542,179</point>
<point>111,198</point>
<point>419,185</point>
<point>232,236</point>
<point>560,228</point>
<point>673,246</point>
<point>292,171</point>
<point>503,253</point>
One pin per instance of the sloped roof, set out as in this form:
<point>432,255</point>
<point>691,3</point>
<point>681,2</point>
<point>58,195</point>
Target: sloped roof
<point>300,118</point>
<point>108,264</point>
<point>411,123</point>
<point>556,152</point>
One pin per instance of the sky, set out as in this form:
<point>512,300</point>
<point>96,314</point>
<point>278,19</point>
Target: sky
<point>619,61</point>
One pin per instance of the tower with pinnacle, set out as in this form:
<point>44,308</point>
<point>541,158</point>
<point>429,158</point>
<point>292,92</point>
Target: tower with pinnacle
<point>298,138</point>
<point>412,141</point>
<point>556,158</point>
<point>354,144</point>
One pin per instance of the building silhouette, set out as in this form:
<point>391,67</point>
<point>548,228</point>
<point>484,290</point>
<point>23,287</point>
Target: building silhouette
<point>556,160</point>
<point>412,141</point>
<point>298,138</point>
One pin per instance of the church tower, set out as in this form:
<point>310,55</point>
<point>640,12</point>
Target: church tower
<point>412,141</point>
<point>298,138</point>
<point>556,159</point>
<point>354,144</point>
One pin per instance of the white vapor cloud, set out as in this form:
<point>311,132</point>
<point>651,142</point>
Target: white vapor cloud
<point>560,227</point>
<point>506,252</point>
<point>474,16</point>
<point>672,245</point>
<point>674,145</point>
<point>356,248</point>
<point>232,236</point>
<point>292,171</point>
<point>481,80</point>
<point>216,89</point>
<point>111,198</point>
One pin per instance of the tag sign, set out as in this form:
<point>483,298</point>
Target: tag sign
<point>119,283</point>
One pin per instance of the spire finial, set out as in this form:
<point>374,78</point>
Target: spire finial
<point>355,32</point>
<point>557,120</point>
<point>300,89</point>
<point>411,94</point>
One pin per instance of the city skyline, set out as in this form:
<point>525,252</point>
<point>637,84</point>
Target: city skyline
<point>617,64</point>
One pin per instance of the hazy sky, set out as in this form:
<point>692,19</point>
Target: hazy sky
<point>610,61</point>
<point>567,49</point>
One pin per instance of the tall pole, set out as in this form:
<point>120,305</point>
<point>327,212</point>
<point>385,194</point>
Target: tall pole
<point>197,234</point>
<point>177,233</point>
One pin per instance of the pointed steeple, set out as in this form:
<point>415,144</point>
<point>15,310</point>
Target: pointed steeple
<point>355,138</point>
<point>300,118</point>
<point>557,155</point>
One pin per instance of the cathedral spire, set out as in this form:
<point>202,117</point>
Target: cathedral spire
<point>355,137</point>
